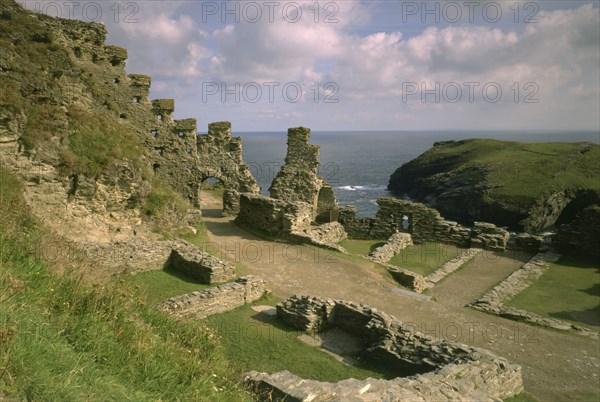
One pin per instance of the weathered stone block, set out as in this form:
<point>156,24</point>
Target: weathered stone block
<point>396,243</point>
<point>163,105</point>
<point>116,55</point>
<point>190,260</point>
<point>408,279</point>
<point>218,299</point>
<point>140,80</point>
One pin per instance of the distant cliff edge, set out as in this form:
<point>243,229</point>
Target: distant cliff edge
<point>525,186</point>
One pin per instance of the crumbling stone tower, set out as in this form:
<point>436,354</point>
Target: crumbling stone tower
<point>298,179</point>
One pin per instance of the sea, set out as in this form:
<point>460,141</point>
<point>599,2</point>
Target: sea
<point>358,164</point>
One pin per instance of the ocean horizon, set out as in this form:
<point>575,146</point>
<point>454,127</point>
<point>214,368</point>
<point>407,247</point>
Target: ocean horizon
<point>358,164</point>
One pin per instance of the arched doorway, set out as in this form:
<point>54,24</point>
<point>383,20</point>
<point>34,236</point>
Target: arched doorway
<point>212,188</point>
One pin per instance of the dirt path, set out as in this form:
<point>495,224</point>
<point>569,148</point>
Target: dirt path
<point>556,366</point>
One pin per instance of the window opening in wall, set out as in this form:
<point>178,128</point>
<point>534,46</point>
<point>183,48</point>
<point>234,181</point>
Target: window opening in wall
<point>405,223</point>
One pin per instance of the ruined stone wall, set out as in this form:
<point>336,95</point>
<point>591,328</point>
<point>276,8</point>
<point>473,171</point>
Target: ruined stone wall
<point>195,263</point>
<point>298,179</point>
<point>489,237</point>
<point>449,370</point>
<point>94,79</point>
<point>275,217</point>
<point>216,300</point>
<point>408,279</point>
<point>423,224</point>
<point>220,156</point>
<point>582,236</point>
<point>357,228</point>
<point>396,243</point>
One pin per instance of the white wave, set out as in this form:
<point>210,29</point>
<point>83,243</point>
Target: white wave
<point>363,188</point>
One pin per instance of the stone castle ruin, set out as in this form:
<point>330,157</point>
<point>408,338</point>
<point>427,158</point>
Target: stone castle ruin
<point>299,199</point>
<point>176,154</point>
<point>298,179</point>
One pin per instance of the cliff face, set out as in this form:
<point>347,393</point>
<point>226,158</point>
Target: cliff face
<point>525,186</point>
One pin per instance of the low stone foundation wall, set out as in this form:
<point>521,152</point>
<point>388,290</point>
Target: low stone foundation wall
<point>489,236</point>
<point>396,243</point>
<point>131,256</point>
<point>493,301</point>
<point>218,299</point>
<point>451,266</point>
<point>195,263</point>
<point>449,370</point>
<point>408,279</point>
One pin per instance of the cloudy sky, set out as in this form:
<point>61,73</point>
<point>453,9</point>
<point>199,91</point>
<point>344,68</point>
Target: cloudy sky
<point>363,65</point>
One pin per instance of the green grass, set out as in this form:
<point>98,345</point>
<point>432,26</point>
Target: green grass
<point>254,345</point>
<point>569,290</point>
<point>520,172</point>
<point>537,164</point>
<point>159,285</point>
<point>273,346</point>
<point>425,258</point>
<point>522,397</point>
<point>361,247</point>
<point>64,340</point>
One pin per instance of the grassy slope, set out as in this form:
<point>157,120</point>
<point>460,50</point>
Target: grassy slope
<point>527,170</point>
<point>61,339</point>
<point>569,290</point>
<point>519,172</point>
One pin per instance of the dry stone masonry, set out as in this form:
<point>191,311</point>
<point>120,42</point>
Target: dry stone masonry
<point>489,237</point>
<point>396,243</point>
<point>298,179</point>
<point>408,279</point>
<point>216,300</point>
<point>195,263</point>
<point>493,301</point>
<point>423,224</point>
<point>442,369</point>
<point>220,157</point>
<point>451,266</point>
<point>275,217</point>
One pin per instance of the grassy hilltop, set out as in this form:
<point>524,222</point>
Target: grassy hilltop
<point>521,185</point>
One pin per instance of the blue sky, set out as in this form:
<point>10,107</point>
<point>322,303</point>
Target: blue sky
<point>363,65</point>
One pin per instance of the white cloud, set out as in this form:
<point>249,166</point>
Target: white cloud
<point>560,54</point>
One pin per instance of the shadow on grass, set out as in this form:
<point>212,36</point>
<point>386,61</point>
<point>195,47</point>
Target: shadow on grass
<point>181,276</point>
<point>385,369</point>
<point>374,246</point>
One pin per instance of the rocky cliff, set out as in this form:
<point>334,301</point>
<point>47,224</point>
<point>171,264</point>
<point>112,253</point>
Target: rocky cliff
<point>525,186</point>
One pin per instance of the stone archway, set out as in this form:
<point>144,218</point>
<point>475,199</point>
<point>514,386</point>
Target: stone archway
<point>220,157</point>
